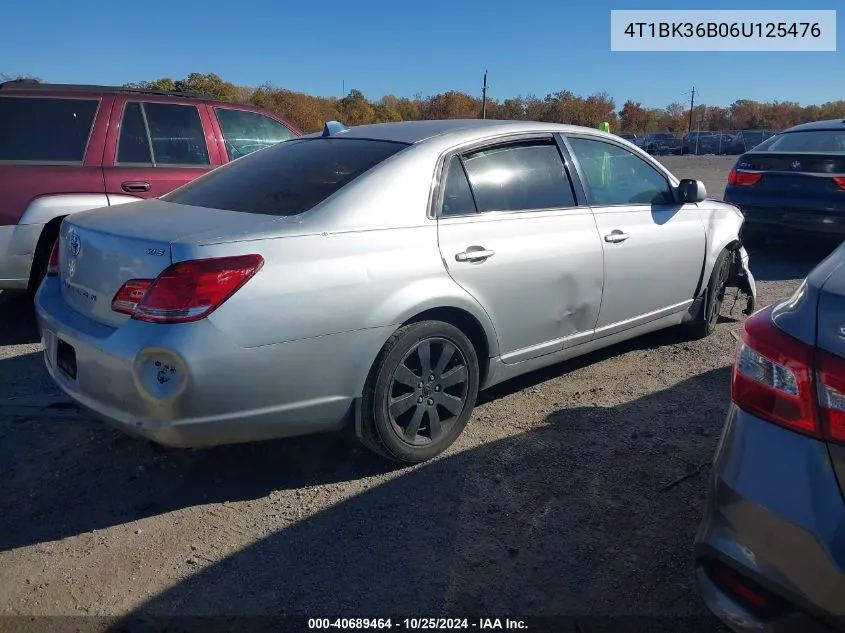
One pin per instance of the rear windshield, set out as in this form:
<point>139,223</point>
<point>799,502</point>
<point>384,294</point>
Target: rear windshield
<point>285,179</point>
<point>808,141</point>
<point>45,130</point>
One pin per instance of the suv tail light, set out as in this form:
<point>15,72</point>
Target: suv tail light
<point>53,262</point>
<point>186,291</point>
<point>743,178</point>
<point>787,382</point>
<point>840,181</point>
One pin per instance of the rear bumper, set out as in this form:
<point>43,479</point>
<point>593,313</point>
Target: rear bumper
<point>190,385</point>
<point>775,216</point>
<point>17,250</point>
<point>775,515</point>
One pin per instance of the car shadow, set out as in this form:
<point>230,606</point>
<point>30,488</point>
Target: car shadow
<point>784,260</point>
<point>593,513</point>
<point>17,319</point>
<point>93,477</point>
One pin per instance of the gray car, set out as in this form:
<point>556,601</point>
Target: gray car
<point>377,277</point>
<point>770,552</point>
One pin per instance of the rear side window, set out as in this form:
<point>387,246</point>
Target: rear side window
<point>46,130</point>
<point>457,196</point>
<point>809,141</point>
<point>519,177</point>
<point>245,132</point>
<point>286,179</point>
<point>173,131</point>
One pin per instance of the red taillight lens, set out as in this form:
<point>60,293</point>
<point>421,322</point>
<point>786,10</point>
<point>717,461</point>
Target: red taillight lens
<point>189,291</point>
<point>743,178</point>
<point>772,375</point>
<point>130,295</point>
<point>830,385</point>
<point>53,262</point>
<point>840,181</point>
<point>735,584</point>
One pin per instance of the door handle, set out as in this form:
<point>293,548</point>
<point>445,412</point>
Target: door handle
<point>135,186</point>
<point>474,254</point>
<point>616,236</point>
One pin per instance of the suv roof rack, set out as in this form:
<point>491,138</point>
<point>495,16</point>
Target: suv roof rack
<point>35,86</point>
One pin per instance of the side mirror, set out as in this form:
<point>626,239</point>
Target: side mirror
<point>691,190</point>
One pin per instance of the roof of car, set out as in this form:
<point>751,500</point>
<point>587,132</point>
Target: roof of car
<point>416,131</point>
<point>829,124</point>
<point>30,85</point>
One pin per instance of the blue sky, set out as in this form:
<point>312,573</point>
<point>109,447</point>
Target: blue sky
<point>403,48</point>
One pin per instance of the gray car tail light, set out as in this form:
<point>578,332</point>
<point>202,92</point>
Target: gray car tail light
<point>788,382</point>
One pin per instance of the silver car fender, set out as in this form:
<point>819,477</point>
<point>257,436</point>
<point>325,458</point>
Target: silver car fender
<point>434,293</point>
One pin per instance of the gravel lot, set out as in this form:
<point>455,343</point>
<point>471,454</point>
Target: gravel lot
<point>574,490</point>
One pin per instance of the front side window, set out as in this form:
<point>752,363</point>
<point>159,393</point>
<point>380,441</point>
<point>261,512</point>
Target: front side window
<point>245,132</point>
<point>45,129</point>
<point>173,131</point>
<point>616,176</point>
<point>286,179</point>
<point>519,177</point>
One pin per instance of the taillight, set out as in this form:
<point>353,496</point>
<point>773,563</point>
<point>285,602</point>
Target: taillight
<point>772,375</point>
<point>188,291</point>
<point>53,262</point>
<point>830,385</point>
<point>743,178</point>
<point>130,295</point>
<point>840,181</point>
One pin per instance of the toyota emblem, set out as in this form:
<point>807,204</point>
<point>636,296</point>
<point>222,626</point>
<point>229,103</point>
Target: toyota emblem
<point>74,243</point>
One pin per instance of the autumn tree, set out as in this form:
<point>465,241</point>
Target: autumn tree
<point>17,76</point>
<point>451,105</point>
<point>673,119</point>
<point>633,118</point>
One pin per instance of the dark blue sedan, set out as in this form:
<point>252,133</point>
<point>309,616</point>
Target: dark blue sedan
<point>770,552</point>
<point>793,184</point>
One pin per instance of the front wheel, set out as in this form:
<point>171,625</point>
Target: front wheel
<point>706,322</point>
<point>421,392</point>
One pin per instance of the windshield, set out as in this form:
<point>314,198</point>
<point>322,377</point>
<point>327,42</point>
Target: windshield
<point>285,179</point>
<point>805,141</point>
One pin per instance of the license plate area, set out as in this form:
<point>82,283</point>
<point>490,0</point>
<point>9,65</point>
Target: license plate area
<point>66,358</point>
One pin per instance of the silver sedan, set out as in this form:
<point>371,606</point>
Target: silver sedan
<point>377,277</point>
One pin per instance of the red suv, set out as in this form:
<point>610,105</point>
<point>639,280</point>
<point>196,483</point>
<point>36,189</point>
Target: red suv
<point>68,148</point>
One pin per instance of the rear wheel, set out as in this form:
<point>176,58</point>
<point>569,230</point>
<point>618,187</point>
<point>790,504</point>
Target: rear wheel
<point>706,322</point>
<point>421,392</point>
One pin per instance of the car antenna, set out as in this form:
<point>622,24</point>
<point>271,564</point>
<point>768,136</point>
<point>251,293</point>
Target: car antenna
<point>333,128</point>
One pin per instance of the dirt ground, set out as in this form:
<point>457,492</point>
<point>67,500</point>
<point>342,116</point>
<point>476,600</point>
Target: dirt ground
<point>574,490</point>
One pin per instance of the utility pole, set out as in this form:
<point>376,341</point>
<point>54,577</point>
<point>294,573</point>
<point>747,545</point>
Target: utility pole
<point>484,97</point>
<point>691,106</point>
<point>343,90</point>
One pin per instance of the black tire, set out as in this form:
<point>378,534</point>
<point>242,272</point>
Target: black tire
<point>408,414</point>
<point>705,323</point>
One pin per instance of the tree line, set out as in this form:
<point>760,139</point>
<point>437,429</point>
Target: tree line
<point>309,112</point>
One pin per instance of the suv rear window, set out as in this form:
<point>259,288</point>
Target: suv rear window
<point>285,179</point>
<point>808,141</point>
<point>45,129</point>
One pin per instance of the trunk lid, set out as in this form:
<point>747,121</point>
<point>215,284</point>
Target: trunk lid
<point>101,250</point>
<point>796,175</point>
